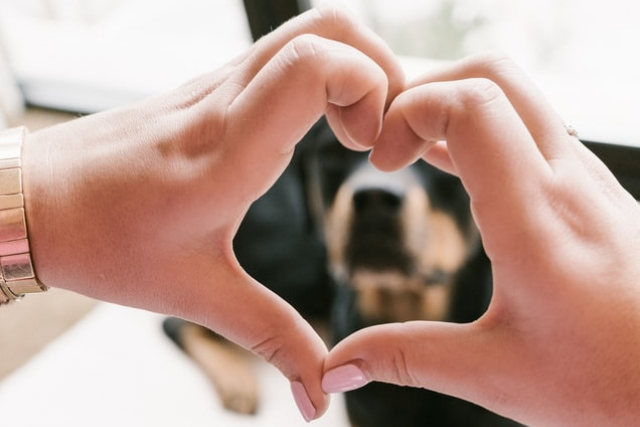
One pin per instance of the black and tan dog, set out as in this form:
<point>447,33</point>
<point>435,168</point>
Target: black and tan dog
<point>346,243</point>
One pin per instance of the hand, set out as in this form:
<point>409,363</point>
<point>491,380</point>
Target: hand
<point>560,342</point>
<point>139,205</point>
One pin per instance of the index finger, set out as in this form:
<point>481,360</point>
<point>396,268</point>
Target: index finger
<point>332,25</point>
<point>328,23</point>
<point>489,145</point>
<point>543,123</point>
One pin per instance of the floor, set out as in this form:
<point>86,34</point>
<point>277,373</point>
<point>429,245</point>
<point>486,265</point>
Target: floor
<point>28,326</point>
<point>116,367</point>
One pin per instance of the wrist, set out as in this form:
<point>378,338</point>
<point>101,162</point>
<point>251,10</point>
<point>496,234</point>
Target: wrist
<point>17,275</point>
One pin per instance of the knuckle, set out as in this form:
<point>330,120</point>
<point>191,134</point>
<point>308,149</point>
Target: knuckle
<point>490,64</point>
<point>401,370</point>
<point>302,50</point>
<point>399,363</point>
<point>305,46</point>
<point>477,93</point>
<point>334,17</point>
<point>268,348</point>
<point>281,342</point>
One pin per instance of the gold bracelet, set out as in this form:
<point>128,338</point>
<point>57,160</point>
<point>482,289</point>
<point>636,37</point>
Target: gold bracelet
<point>17,275</point>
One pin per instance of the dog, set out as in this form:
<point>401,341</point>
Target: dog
<point>350,247</point>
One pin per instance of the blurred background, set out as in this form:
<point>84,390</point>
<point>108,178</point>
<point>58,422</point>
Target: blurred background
<point>63,58</point>
<point>87,55</point>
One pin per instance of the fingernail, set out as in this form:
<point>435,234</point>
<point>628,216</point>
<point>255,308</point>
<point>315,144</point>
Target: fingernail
<point>343,378</point>
<point>301,397</point>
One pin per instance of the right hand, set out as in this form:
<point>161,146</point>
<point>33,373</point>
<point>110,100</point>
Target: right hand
<point>560,342</point>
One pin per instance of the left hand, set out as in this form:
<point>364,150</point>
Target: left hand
<point>139,205</point>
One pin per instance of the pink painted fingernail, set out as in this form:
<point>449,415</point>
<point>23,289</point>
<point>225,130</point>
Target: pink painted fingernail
<point>343,378</point>
<point>301,397</point>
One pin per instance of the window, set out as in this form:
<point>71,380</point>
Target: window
<point>100,53</point>
<point>89,55</point>
<point>584,54</point>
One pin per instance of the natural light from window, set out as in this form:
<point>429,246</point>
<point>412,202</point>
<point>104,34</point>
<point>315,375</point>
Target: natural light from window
<point>583,53</point>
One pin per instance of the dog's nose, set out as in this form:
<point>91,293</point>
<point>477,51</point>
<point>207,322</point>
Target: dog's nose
<point>376,199</point>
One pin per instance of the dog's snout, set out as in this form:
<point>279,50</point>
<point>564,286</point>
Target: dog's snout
<point>376,199</point>
<point>375,192</point>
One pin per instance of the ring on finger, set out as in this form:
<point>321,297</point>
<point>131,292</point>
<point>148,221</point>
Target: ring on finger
<point>571,131</point>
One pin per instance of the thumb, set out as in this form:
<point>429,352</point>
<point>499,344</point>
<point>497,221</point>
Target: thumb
<point>233,304</point>
<point>449,358</point>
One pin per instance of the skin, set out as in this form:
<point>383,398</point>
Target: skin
<point>139,205</point>
<point>148,197</point>
<point>560,342</point>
